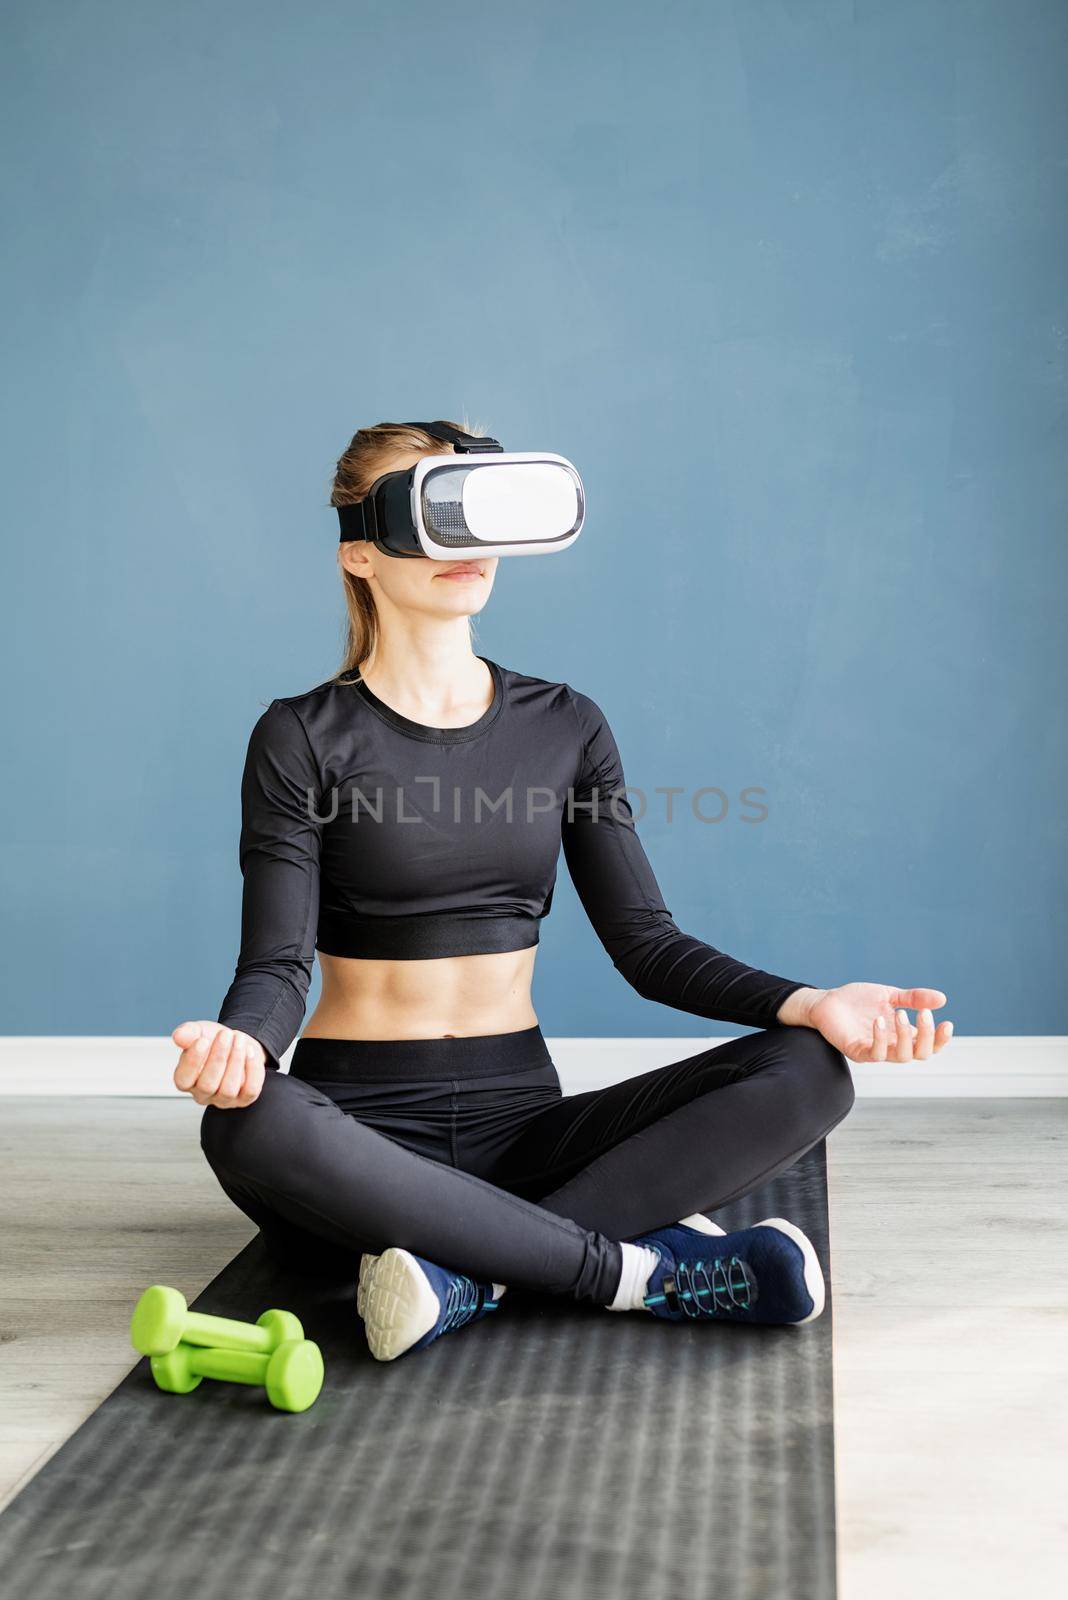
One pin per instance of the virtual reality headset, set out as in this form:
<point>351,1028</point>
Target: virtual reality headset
<point>481,501</point>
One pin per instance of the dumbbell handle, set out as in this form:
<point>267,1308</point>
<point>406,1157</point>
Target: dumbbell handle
<point>232,1366</point>
<point>223,1333</point>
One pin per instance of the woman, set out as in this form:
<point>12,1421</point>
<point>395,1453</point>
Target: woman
<point>405,819</point>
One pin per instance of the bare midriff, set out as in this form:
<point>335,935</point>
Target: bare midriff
<point>450,997</point>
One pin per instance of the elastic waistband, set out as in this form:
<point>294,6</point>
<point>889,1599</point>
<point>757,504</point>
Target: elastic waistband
<point>443,933</point>
<point>469,1056</point>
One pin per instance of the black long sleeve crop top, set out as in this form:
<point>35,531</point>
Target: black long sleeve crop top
<point>367,834</point>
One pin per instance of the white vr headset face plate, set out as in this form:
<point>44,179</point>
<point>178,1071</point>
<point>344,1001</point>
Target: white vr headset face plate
<point>511,503</point>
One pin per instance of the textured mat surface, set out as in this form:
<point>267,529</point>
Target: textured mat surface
<point>550,1452</point>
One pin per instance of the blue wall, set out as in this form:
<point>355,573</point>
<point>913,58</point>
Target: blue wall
<point>786,280</point>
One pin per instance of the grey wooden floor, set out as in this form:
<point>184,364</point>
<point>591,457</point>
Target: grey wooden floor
<point>948,1223</point>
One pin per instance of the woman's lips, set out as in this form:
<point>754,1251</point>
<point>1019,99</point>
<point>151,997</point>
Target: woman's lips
<point>461,572</point>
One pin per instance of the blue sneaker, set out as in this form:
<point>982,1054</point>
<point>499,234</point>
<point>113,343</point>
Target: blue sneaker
<point>767,1273</point>
<point>407,1302</point>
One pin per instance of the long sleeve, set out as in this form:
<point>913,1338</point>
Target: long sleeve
<point>619,892</point>
<point>279,855</point>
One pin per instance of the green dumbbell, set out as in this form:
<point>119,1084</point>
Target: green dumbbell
<point>292,1374</point>
<point>162,1320</point>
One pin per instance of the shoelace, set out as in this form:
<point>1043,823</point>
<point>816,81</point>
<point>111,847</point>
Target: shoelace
<point>463,1300</point>
<point>728,1288</point>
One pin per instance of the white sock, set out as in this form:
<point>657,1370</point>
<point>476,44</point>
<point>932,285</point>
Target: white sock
<point>498,1290</point>
<point>638,1262</point>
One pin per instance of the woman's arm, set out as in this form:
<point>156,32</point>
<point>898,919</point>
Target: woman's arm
<point>622,899</point>
<point>279,855</point>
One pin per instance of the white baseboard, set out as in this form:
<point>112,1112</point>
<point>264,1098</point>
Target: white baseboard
<point>1023,1065</point>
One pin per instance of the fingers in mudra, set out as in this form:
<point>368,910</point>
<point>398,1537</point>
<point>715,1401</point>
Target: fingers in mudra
<point>194,1044</point>
<point>903,1034</point>
<point>218,1066</point>
<point>897,1039</point>
<point>923,1041</point>
<point>224,1079</point>
<point>927,1040</point>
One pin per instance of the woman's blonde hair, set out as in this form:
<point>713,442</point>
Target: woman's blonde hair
<point>366,458</point>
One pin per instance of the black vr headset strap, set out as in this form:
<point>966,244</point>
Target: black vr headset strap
<point>462,443</point>
<point>360,521</point>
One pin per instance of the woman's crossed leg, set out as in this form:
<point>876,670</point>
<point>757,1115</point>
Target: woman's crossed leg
<point>551,1204</point>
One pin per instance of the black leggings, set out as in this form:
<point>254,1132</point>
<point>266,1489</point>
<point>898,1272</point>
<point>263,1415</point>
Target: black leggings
<point>467,1151</point>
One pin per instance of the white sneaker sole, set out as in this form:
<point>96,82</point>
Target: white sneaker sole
<point>366,1266</point>
<point>396,1302</point>
<point>813,1271</point>
<point>701,1223</point>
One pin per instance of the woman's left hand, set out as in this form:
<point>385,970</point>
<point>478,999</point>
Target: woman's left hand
<point>870,1021</point>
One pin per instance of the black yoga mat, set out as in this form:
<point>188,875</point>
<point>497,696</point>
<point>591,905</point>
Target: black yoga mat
<point>549,1452</point>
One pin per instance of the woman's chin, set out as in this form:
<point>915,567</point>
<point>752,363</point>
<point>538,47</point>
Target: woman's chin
<point>459,599</point>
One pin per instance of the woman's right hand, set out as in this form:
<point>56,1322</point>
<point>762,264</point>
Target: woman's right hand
<point>218,1066</point>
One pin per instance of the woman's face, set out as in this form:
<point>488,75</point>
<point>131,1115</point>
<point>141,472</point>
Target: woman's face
<point>416,583</point>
